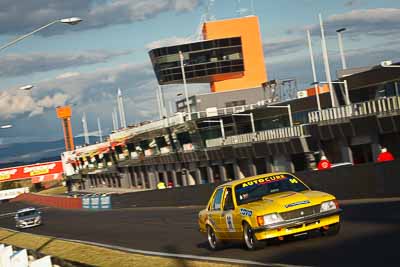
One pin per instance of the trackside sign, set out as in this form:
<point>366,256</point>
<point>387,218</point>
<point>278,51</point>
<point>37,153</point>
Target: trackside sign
<point>12,193</point>
<point>31,171</point>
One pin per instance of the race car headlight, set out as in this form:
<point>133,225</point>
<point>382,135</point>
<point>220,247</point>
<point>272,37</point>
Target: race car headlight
<point>269,219</point>
<point>37,219</point>
<point>329,205</point>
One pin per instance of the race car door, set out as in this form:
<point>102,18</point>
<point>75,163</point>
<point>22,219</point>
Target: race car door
<point>215,212</point>
<point>230,223</point>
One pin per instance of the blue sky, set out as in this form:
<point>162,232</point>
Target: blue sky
<point>83,65</point>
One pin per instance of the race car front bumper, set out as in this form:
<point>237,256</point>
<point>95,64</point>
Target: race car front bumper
<point>28,224</point>
<point>298,225</point>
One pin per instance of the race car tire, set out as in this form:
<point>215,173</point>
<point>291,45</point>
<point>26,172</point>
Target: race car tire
<point>332,230</point>
<point>213,241</point>
<point>250,239</point>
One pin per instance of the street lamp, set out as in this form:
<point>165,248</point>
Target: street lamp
<point>340,40</point>
<point>185,85</point>
<point>388,64</point>
<point>221,124</point>
<point>289,112</point>
<point>70,21</point>
<point>7,126</point>
<point>346,90</point>
<point>253,128</point>
<point>26,87</point>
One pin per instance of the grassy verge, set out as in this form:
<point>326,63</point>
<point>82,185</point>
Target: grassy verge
<point>93,255</point>
<point>59,190</point>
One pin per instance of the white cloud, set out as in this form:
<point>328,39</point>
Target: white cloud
<point>23,64</point>
<point>67,75</point>
<point>174,40</point>
<point>13,104</point>
<point>95,13</point>
<point>368,22</point>
<point>284,46</point>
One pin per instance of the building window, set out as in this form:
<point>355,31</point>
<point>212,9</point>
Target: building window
<point>235,103</point>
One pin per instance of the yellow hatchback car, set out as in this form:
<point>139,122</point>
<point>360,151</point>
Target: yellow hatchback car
<point>264,207</point>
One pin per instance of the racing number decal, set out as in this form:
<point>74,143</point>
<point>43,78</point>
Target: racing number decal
<point>229,222</point>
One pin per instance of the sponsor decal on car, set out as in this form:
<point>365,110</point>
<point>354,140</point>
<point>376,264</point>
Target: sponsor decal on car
<point>297,203</point>
<point>264,180</point>
<point>229,222</point>
<point>246,212</point>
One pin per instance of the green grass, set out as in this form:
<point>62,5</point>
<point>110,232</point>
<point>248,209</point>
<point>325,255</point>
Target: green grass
<point>59,190</point>
<point>93,255</point>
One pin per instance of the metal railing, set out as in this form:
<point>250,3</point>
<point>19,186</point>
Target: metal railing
<point>227,111</point>
<point>379,106</point>
<point>268,135</point>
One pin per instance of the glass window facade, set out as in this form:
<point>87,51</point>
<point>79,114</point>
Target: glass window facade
<point>202,60</point>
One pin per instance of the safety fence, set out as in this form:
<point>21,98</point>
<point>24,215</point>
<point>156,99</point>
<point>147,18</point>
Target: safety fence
<point>96,202</point>
<point>19,258</point>
<point>50,201</point>
<point>379,106</point>
<point>268,135</point>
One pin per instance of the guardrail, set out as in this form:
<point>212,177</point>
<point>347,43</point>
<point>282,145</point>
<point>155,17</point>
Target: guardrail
<point>383,105</point>
<point>273,134</point>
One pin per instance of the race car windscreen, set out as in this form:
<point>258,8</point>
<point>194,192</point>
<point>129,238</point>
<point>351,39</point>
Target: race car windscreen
<point>27,213</point>
<point>256,189</point>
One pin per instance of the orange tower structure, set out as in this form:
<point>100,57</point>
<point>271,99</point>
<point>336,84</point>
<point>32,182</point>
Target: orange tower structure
<point>248,29</point>
<point>64,114</point>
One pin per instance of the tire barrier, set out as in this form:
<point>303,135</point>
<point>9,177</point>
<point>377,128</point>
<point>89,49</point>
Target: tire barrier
<point>50,201</point>
<point>96,202</point>
<point>370,180</point>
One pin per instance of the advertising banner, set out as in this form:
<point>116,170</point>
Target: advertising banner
<point>96,202</point>
<point>46,170</point>
<point>12,193</point>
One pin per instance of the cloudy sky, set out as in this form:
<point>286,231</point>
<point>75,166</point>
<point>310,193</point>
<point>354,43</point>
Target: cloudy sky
<point>83,65</point>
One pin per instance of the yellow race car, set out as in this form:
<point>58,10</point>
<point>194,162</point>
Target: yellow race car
<point>264,207</point>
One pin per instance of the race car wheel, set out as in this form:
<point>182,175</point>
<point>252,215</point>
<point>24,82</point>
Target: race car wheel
<point>332,230</point>
<point>250,239</point>
<point>213,240</point>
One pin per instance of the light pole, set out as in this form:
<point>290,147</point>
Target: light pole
<point>326,62</point>
<point>221,124</point>
<point>340,40</point>
<point>185,85</point>
<point>253,128</point>
<point>70,21</point>
<point>346,90</point>
<point>289,112</point>
<point>316,87</point>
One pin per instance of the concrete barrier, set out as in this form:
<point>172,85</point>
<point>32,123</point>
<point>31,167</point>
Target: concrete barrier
<point>370,180</point>
<point>51,201</point>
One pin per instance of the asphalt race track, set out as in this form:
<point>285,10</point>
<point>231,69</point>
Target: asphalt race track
<point>370,234</point>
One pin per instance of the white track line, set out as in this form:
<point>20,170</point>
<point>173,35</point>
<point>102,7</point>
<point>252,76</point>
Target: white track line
<point>183,256</point>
